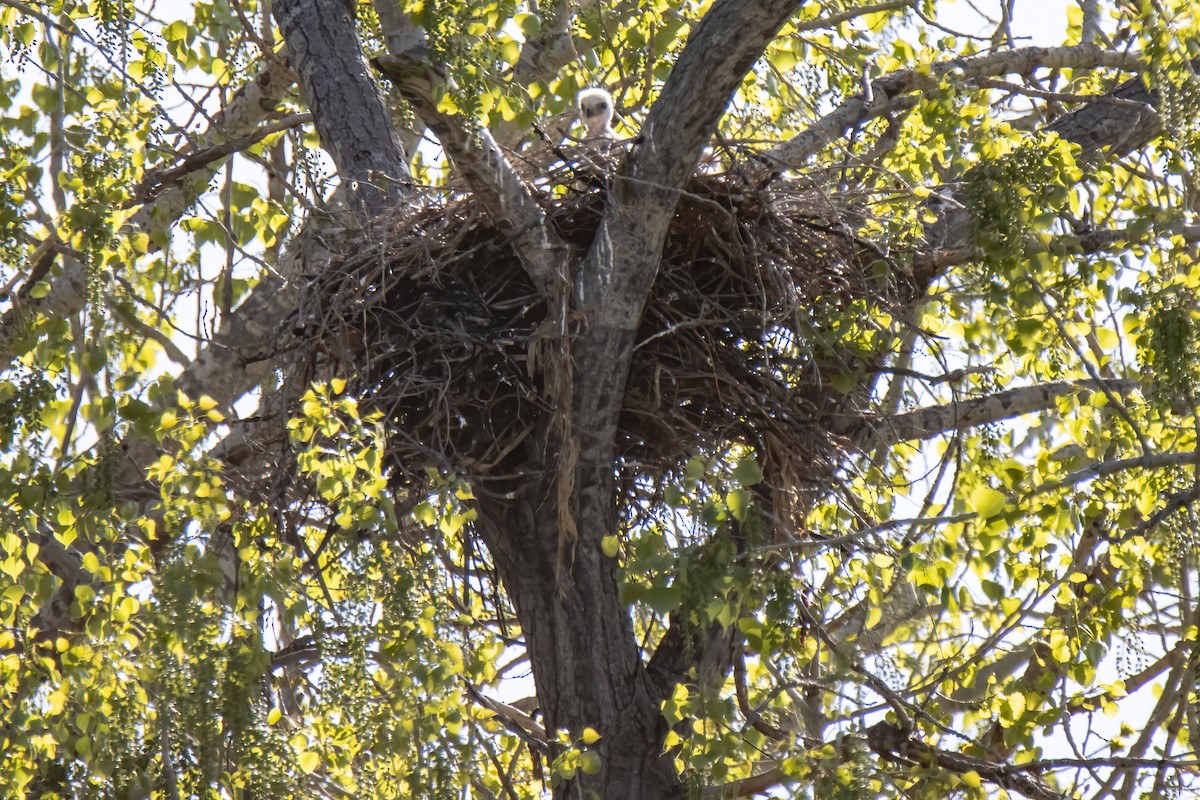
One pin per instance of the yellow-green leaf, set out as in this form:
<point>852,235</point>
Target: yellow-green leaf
<point>309,761</point>
<point>987,502</point>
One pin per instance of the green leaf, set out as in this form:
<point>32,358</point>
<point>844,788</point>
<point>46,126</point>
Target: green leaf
<point>874,616</point>
<point>987,502</point>
<point>590,762</point>
<point>844,382</point>
<point>309,761</point>
<point>664,599</point>
<point>747,472</point>
<point>739,503</point>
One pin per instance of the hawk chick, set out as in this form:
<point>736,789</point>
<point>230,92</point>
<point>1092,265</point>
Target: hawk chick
<point>596,113</point>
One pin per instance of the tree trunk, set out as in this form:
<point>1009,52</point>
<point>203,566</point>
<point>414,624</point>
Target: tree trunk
<point>345,100</point>
<point>580,642</point>
<point>585,658</point>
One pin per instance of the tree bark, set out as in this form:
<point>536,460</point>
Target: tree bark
<point>347,106</point>
<point>579,636</point>
<point>857,110</point>
<point>581,646</point>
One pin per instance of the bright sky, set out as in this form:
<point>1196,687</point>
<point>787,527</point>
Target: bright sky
<point>1037,22</point>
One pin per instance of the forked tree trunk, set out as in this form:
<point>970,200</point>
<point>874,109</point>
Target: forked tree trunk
<point>584,656</point>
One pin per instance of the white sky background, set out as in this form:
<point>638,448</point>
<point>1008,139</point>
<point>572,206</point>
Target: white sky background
<point>1036,22</point>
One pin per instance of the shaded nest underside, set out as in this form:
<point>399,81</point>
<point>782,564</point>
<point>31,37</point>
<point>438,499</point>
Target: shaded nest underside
<point>433,319</point>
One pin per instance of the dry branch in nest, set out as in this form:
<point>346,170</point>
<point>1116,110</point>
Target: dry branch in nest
<point>437,325</point>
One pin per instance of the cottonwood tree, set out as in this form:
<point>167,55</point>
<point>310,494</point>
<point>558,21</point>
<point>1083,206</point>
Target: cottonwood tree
<point>831,435</point>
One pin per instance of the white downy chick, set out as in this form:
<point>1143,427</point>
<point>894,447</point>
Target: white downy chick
<point>596,113</point>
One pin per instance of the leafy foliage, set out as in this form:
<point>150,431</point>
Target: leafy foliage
<point>192,608</point>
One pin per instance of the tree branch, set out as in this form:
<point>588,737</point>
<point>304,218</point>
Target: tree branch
<point>866,432</point>
<point>893,743</point>
<point>755,784</point>
<point>857,110</point>
<point>837,18</point>
<point>1153,461</point>
<point>352,120</point>
<point>473,151</point>
<point>1086,244</point>
<point>67,294</point>
<point>615,278</point>
<point>161,179</point>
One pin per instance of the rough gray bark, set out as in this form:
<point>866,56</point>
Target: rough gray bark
<point>925,423</point>
<point>585,659</point>
<point>582,649</point>
<point>614,279</point>
<point>475,154</point>
<point>1122,121</point>
<point>578,633</point>
<point>579,637</point>
<point>337,84</point>
<point>356,128</point>
<point>857,110</point>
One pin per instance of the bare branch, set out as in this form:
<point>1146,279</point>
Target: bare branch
<point>1153,461</point>
<point>857,110</point>
<point>925,423</point>
<point>516,720</point>
<point>1091,21</point>
<point>161,179</point>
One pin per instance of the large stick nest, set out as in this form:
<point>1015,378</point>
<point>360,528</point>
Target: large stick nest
<point>437,325</point>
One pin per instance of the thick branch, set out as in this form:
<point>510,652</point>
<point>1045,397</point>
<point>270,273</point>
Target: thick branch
<point>857,110</point>
<point>474,153</point>
<point>351,117</point>
<point>1105,240</point>
<point>552,47</point>
<point>894,744</point>
<point>1121,121</point>
<point>718,54</point>
<point>159,180</point>
<point>867,432</point>
<point>616,276</point>
<point>1106,468</point>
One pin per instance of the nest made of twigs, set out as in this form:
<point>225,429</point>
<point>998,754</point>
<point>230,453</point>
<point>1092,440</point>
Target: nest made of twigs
<point>437,325</point>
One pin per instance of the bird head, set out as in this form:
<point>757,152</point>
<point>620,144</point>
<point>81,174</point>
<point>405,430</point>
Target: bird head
<point>596,112</point>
